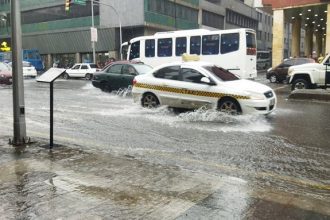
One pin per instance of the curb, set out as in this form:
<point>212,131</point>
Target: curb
<point>308,94</point>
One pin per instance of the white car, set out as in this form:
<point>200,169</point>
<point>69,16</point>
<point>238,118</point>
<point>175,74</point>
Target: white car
<point>195,84</point>
<point>28,69</point>
<point>81,70</point>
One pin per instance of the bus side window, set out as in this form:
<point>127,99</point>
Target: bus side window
<point>195,45</point>
<point>135,50</point>
<point>164,47</point>
<point>150,48</point>
<point>229,42</point>
<point>180,46</point>
<point>210,44</point>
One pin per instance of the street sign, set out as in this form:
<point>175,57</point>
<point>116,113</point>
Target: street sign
<point>49,77</point>
<point>79,2</point>
<point>93,34</point>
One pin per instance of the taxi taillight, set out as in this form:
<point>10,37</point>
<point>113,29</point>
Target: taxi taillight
<point>134,81</point>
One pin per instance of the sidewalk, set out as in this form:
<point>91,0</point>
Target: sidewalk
<point>70,183</point>
<point>311,94</point>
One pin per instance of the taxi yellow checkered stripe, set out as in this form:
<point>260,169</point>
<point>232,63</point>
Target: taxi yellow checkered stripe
<point>188,91</point>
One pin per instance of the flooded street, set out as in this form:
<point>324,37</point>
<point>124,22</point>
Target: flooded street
<point>116,160</point>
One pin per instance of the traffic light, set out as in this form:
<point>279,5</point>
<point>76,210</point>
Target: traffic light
<point>67,5</point>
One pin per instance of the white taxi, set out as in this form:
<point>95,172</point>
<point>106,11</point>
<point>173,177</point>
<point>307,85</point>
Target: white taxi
<point>196,84</point>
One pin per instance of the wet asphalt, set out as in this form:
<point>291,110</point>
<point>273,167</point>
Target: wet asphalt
<point>116,160</point>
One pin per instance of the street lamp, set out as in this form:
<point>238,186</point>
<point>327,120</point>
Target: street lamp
<point>93,29</point>
<point>120,30</point>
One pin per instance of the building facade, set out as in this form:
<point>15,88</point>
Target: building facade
<point>310,35</point>
<point>64,37</point>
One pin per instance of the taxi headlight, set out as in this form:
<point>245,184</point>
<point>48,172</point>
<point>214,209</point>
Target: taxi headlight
<point>257,96</point>
<point>290,71</point>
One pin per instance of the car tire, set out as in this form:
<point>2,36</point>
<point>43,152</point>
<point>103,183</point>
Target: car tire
<point>229,106</point>
<point>88,76</point>
<point>300,84</point>
<point>149,100</point>
<point>66,76</point>
<point>105,87</point>
<point>273,78</point>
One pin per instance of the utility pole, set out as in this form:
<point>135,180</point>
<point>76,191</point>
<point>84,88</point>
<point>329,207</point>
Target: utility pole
<point>18,85</point>
<point>120,26</point>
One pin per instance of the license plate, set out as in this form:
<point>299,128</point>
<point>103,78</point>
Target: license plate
<point>272,102</point>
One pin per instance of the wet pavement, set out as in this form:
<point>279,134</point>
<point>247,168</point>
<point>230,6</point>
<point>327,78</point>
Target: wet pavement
<point>68,183</point>
<point>119,161</point>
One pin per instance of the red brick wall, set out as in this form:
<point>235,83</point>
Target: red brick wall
<point>290,3</point>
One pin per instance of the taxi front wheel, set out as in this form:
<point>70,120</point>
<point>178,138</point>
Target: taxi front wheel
<point>149,100</point>
<point>229,106</point>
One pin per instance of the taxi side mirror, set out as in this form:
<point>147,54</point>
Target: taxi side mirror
<point>207,80</point>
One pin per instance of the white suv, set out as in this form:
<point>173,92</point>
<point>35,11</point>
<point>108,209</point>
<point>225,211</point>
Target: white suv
<point>311,75</point>
<point>82,70</point>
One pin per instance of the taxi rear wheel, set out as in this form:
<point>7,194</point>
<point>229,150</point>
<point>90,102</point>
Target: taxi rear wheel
<point>229,106</point>
<point>149,100</point>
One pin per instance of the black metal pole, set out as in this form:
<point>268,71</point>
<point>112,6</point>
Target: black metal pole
<point>51,115</point>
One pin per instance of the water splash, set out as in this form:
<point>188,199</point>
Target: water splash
<point>124,92</point>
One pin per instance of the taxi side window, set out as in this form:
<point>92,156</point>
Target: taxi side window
<point>115,69</point>
<point>191,75</point>
<point>171,72</point>
<point>76,67</point>
<point>84,67</point>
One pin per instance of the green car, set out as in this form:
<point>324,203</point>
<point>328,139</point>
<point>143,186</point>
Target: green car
<point>118,75</point>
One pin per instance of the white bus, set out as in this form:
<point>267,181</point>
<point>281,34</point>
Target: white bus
<point>233,49</point>
<point>264,59</point>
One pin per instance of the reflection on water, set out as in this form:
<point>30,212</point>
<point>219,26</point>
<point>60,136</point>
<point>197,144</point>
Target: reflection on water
<point>21,185</point>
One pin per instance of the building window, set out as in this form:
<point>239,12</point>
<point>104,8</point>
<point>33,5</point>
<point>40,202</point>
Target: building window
<point>212,20</point>
<point>56,13</point>
<point>241,20</point>
<point>173,10</point>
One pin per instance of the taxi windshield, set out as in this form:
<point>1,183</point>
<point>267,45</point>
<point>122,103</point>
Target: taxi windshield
<point>221,73</point>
